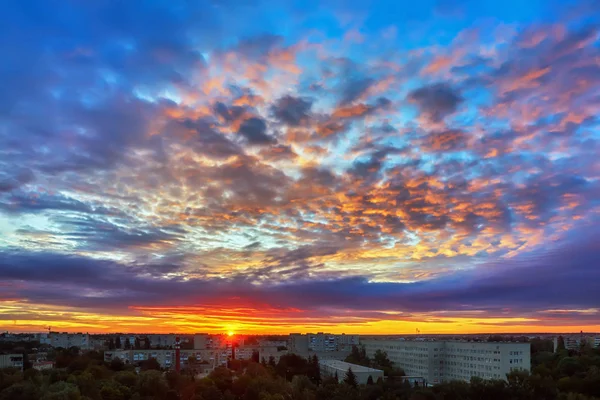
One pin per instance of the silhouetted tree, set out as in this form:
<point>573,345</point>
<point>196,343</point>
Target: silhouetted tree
<point>370,380</point>
<point>350,378</point>
<point>118,342</point>
<point>560,344</point>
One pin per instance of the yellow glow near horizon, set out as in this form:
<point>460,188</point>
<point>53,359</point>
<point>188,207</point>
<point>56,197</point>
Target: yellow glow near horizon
<point>230,333</point>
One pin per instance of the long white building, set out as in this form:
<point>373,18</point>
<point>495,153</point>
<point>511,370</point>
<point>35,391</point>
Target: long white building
<point>321,342</point>
<point>340,368</point>
<point>439,361</point>
<point>67,340</point>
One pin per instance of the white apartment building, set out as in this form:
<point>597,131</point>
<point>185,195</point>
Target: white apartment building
<point>166,358</point>
<point>266,352</point>
<point>298,343</point>
<point>67,340</point>
<point>156,340</point>
<point>11,361</point>
<point>321,342</point>
<point>439,361</point>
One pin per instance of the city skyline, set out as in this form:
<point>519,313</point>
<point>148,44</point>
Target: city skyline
<point>305,166</point>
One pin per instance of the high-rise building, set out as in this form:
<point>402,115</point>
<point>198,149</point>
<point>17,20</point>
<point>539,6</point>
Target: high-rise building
<point>439,361</point>
<point>67,340</point>
<point>321,342</point>
<point>11,361</point>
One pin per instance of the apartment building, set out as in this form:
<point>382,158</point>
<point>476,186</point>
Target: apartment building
<point>575,342</point>
<point>345,342</point>
<point>321,342</point>
<point>11,361</point>
<point>298,343</point>
<point>439,361</point>
<point>67,340</point>
<point>266,352</point>
<point>166,358</point>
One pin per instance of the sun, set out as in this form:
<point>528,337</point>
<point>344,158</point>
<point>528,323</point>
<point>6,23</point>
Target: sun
<point>230,333</point>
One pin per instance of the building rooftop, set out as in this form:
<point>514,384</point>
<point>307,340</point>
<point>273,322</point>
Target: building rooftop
<point>343,366</point>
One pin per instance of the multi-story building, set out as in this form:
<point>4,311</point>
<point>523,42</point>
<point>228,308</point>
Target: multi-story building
<point>439,361</point>
<point>11,361</point>
<point>166,358</point>
<point>345,342</point>
<point>201,341</point>
<point>264,352</point>
<point>159,340</point>
<point>273,343</point>
<point>298,343</point>
<point>67,340</point>
<point>577,341</point>
<point>321,342</point>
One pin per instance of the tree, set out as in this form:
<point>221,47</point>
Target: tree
<point>127,344</point>
<point>560,344</point>
<point>350,378</point>
<point>62,391</point>
<point>136,343</point>
<point>150,364</point>
<point>152,384</point>
<point>147,343</point>
<point>111,344</point>
<point>21,391</point>
<point>370,380</point>
<point>315,370</point>
<point>116,364</point>
<point>118,342</point>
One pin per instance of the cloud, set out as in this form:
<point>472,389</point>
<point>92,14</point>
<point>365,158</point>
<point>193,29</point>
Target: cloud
<point>291,110</point>
<point>519,284</point>
<point>255,131</point>
<point>436,101</point>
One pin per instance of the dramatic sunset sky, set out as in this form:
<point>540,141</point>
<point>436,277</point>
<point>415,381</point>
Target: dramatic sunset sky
<point>276,166</point>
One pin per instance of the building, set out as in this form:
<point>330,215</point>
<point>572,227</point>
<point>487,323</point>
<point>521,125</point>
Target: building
<point>575,342</point>
<point>11,361</point>
<point>166,357</point>
<point>264,352</point>
<point>201,341</point>
<point>43,365</point>
<point>439,361</point>
<point>333,367</point>
<point>345,342</point>
<point>273,343</point>
<point>157,340</point>
<point>67,340</point>
<point>321,342</point>
<point>298,343</point>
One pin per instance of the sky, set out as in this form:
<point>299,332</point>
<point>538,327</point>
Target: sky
<point>255,166</point>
